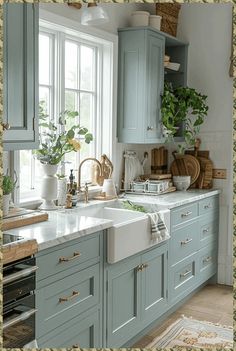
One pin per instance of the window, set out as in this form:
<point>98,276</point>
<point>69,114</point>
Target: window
<point>71,74</point>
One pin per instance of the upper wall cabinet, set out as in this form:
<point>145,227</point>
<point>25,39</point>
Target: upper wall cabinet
<point>141,81</point>
<point>20,85</point>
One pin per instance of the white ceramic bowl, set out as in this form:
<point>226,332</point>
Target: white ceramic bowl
<point>139,18</point>
<point>155,21</point>
<point>182,183</point>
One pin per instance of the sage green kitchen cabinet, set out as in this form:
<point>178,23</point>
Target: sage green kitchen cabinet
<point>141,82</point>
<point>193,246</point>
<point>136,294</point>
<point>83,331</point>
<point>83,300</point>
<point>69,293</point>
<point>20,81</point>
<point>141,76</point>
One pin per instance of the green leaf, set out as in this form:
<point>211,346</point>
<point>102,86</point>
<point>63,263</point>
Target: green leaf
<point>83,131</point>
<point>70,134</point>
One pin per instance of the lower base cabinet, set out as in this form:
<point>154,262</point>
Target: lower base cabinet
<point>88,303</point>
<point>136,294</point>
<point>83,332</point>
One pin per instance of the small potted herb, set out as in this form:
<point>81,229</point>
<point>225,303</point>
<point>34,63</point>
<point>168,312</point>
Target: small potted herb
<point>8,186</point>
<point>182,106</point>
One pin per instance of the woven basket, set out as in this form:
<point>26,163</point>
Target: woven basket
<point>169,13</point>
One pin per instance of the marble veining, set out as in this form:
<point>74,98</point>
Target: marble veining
<point>61,226</point>
<point>172,200</point>
<point>64,225</point>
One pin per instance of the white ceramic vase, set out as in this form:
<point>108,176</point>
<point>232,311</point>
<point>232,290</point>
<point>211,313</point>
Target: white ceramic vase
<point>61,193</point>
<point>49,187</point>
<point>5,204</point>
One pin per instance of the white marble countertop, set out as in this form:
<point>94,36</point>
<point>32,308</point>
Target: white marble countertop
<point>174,199</point>
<point>62,225</point>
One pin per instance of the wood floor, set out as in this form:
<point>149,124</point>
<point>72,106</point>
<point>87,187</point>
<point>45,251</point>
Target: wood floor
<point>214,303</point>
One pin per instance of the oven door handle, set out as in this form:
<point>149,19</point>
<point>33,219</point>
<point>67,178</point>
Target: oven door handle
<point>14,276</point>
<point>23,316</point>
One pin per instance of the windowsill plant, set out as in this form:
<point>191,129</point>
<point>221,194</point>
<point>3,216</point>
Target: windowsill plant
<point>182,107</point>
<point>58,140</point>
<point>8,185</point>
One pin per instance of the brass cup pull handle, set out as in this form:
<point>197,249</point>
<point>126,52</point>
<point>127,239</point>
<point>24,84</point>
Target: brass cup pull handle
<point>145,265</point>
<point>76,346</point>
<point>206,230</point>
<point>67,259</point>
<point>186,241</point>
<point>6,126</point>
<point>182,275</point>
<point>186,214</point>
<point>68,298</point>
<point>150,128</point>
<point>207,259</point>
<point>207,206</point>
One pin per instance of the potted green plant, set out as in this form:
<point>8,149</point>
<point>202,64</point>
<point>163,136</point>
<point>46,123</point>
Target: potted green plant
<point>182,106</point>
<point>8,185</point>
<point>56,140</point>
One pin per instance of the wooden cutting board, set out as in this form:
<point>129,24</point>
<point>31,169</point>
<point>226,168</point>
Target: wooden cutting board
<point>186,165</point>
<point>23,218</point>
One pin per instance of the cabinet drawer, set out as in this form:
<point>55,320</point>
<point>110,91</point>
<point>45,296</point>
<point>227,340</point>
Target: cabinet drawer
<point>208,204</point>
<point>66,299</point>
<point>208,229</point>
<point>183,277</point>
<point>63,258</point>
<point>184,242</point>
<point>208,261</point>
<point>83,331</point>
<point>184,214</point>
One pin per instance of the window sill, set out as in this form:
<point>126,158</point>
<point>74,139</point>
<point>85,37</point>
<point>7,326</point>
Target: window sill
<point>34,203</point>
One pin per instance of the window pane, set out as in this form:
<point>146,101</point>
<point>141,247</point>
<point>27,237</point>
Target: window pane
<point>87,72</point>
<point>71,163</point>
<point>44,95</point>
<point>71,65</point>
<point>70,101</point>
<point>30,176</point>
<point>86,111</point>
<point>44,59</point>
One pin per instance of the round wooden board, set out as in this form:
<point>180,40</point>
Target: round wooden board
<point>192,164</point>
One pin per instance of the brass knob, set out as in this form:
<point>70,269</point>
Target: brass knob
<point>140,268</point>
<point>6,126</point>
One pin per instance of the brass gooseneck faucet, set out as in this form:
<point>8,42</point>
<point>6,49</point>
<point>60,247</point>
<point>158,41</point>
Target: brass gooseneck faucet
<point>79,174</point>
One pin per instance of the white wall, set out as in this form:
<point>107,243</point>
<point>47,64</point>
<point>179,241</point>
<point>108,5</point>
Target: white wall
<point>207,27</point>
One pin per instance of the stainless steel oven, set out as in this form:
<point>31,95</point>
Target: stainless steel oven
<point>19,303</point>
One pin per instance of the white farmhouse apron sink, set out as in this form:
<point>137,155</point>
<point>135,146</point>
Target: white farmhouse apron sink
<point>130,232</point>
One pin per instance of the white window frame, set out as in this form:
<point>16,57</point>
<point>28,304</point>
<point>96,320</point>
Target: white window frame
<point>108,44</point>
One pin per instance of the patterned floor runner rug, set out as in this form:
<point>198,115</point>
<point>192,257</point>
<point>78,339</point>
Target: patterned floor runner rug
<point>188,332</point>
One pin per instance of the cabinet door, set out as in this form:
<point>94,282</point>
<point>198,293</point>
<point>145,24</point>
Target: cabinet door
<point>123,305</point>
<point>83,331</point>
<point>155,85</point>
<point>154,283</point>
<point>131,87</point>
<point>20,75</point>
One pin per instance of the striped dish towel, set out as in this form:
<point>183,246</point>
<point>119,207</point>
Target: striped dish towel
<point>159,231</point>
